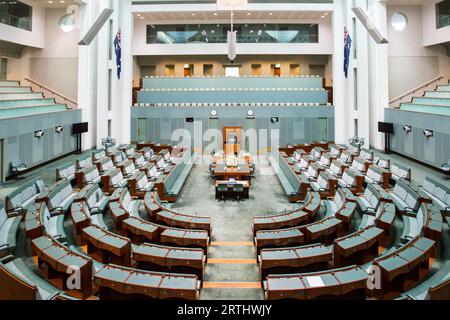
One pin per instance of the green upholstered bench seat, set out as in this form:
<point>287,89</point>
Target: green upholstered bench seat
<point>95,199</point>
<point>53,225</point>
<point>84,162</point>
<point>23,197</point>
<point>66,172</point>
<point>20,269</point>
<point>176,188</point>
<point>9,226</point>
<point>405,198</point>
<point>439,193</point>
<point>287,177</point>
<point>174,182</point>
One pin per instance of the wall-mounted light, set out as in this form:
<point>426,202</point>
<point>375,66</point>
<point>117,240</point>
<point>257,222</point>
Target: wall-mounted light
<point>213,113</point>
<point>39,134</point>
<point>70,20</point>
<point>407,128</point>
<point>428,133</point>
<point>274,120</point>
<point>59,129</point>
<point>250,113</point>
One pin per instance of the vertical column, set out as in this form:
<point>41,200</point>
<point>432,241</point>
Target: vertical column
<point>122,89</point>
<point>378,71</point>
<point>87,75</point>
<point>103,66</point>
<point>361,69</point>
<point>340,84</point>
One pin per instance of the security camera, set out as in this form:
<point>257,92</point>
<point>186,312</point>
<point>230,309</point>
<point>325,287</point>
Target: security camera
<point>428,133</point>
<point>407,128</point>
<point>39,133</point>
<point>59,129</point>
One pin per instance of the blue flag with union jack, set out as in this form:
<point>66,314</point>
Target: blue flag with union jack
<point>118,49</point>
<point>347,48</point>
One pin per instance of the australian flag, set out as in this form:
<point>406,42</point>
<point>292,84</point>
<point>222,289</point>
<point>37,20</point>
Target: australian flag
<point>347,48</point>
<point>118,49</point>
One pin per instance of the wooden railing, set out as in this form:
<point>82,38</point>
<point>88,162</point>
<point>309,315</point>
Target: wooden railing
<point>50,93</point>
<point>417,92</point>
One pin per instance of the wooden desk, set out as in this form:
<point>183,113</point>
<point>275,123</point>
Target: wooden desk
<point>404,263</point>
<point>238,173</point>
<point>117,282</point>
<point>182,260</point>
<point>289,219</point>
<point>185,238</point>
<point>316,255</point>
<point>140,230</point>
<point>352,248</point>
<point>107,247</point>
<point>337,282</point>
<point>279,238</point>
<point>230,192</point>
<point>180,220</point>
<point>324,230</point>
<point>57,261</point>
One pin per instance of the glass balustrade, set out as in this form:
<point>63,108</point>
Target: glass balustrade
<point>16,14</point>
<point>246,33</point>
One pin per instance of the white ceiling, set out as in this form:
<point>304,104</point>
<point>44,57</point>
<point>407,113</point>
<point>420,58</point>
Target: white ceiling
<point>406,2</point>
<point>55,3</point>
<point>242,16</point>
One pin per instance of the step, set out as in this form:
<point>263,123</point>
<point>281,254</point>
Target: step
<point>443,88</point>
<point>20,96</point>
<point>26,103</point>
<point>7,83</point>
<point>15,89</point>
<point>445,111</point>
<point>437,94</point>
<point>432,101</point>
<point>30,111</point>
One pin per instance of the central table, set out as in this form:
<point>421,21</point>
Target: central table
<point>241,171</point>
<point>230,187</point>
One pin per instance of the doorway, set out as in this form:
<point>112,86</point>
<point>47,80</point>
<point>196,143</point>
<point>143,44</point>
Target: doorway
<point>323,129</point>
<point>232,71</point>
<point>232,138</point>
<point>276,70</point>
<point>169,70</point>
<point>142,129</point>
<point>317,70</point>
<point>188,70</point>
<point>4,69</point>
<point>148,71</point>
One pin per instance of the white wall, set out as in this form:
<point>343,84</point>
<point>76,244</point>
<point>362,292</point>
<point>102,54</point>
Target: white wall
<point>410,63</point>
<point>56,65</point>
<point>33,38</point>
<point>432,35</point>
